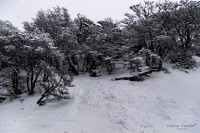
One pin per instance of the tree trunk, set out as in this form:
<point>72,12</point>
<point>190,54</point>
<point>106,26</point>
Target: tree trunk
<point>72,67</point>
<point>15,81</point>
<point>188,39</point>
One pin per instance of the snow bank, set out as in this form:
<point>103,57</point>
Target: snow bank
<point>164,103</point>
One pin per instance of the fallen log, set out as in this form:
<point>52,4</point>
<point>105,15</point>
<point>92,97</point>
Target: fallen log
<point>2,98</point>
<point>139,76</point>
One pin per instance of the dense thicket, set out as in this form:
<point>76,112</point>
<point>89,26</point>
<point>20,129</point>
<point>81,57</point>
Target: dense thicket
<point>53,47</point>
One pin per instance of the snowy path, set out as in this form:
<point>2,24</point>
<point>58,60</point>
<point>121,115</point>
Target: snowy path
<point>99,105</point>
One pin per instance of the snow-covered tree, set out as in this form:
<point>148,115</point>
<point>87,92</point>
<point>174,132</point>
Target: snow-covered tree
<point>10,40</point>
<point>57,24</point>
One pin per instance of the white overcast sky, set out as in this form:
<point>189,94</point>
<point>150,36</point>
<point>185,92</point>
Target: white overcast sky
<point>18,11</point>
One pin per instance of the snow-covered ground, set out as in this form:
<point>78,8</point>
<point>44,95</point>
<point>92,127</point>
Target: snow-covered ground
<point>164,103</point>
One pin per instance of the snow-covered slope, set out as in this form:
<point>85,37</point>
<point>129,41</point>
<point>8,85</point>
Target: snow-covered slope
<point>164,103</point>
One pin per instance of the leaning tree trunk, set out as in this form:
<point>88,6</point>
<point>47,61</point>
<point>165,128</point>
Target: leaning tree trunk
<point>72,67</point>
